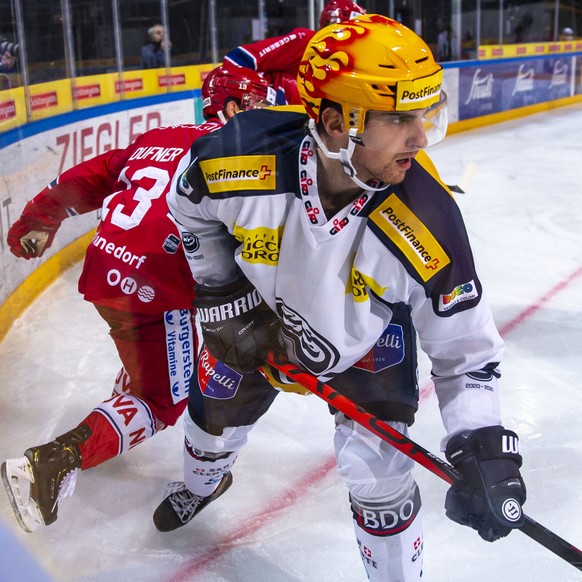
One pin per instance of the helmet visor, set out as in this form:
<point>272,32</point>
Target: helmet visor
<point>402,131</point>
<point>255,101</point>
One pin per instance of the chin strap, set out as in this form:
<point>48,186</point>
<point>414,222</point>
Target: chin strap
<point>345,157</point>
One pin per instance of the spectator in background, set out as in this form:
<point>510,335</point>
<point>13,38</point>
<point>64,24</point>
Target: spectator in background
<point>523,28</point>
<point>567,34</point>
<point>8,56</point>
<point>152,52</point>
<point>445,43</point>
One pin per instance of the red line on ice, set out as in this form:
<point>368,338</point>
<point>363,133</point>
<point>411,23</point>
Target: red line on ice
<point>292,494</point>
<point>248,527</point>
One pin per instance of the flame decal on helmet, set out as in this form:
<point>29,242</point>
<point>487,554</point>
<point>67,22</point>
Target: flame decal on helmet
<point>328,61</point>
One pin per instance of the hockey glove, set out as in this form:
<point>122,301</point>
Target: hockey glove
<point>238,327</point>
<point>33,233</point>
<point>492,493</point>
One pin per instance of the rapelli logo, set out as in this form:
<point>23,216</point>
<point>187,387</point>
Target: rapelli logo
<point>240,173</point>
<point>259,245</point>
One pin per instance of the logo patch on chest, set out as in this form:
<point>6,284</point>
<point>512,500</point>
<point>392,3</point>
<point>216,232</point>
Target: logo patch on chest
<point>411,236</point>
<point>240,173</point>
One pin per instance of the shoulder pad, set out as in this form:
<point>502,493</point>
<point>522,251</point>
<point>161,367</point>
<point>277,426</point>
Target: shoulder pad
<point>249,155</point>
<point>419,221</point>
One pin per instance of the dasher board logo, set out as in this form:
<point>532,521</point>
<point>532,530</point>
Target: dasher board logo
<point>411,236</point>
<point>240,173</point>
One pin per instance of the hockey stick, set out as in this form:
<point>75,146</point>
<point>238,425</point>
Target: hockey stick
<point>466,180</point>
<point>440,468</point>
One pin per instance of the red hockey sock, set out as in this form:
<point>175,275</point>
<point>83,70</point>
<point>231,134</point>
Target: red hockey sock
<point>102,445</point>
<point>117,425</point>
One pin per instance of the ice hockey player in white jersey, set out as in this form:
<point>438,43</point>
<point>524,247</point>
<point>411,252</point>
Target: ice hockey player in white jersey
<point>305,233</point>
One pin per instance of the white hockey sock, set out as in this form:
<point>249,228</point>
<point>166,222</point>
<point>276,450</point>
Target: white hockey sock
<point>208,457</point>
<point>395,558</point>
<point>204,471</point>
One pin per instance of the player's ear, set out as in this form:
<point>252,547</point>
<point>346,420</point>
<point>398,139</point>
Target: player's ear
<point>231,109</point>
<point>333,122</point>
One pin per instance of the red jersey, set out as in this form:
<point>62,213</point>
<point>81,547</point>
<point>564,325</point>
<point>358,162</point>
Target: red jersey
<point>135,262</point>
<point>277,59</point>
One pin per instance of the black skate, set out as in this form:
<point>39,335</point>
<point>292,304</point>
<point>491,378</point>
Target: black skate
<point>180,505</point>
<point>37,482</point>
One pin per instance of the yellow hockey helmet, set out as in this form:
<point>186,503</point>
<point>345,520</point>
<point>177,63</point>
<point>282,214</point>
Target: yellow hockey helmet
<point>369,63</point>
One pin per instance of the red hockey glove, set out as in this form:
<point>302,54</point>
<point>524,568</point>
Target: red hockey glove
<point>33,233</point>
<point>238,327</point>
<point>492,493</point>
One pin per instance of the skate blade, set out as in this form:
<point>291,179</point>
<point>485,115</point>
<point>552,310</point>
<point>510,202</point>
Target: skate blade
<point>17,477</point>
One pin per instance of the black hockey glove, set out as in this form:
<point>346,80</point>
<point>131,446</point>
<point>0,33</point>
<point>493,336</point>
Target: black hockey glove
<point>238,327</point>
<point>492,493</point>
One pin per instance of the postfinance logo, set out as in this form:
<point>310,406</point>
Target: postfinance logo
<point>240,173</point>
<point>259,245</point>
<point>419,93</point>
<point>411,236</point>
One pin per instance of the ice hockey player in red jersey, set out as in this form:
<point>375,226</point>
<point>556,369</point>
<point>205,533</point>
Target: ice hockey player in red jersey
<point>136,275</point>
<point>278,58</point>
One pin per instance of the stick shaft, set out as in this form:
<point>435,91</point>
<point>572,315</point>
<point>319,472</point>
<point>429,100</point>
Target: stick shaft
<point>422,456</point>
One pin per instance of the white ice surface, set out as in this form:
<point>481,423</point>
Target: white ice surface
<point>286,517</point>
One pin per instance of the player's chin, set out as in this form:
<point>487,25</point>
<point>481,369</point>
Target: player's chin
<point>396,173</point>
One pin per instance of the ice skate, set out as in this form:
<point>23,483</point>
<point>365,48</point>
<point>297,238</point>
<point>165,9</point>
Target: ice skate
<point>180,505</point>
<point>36,482</point>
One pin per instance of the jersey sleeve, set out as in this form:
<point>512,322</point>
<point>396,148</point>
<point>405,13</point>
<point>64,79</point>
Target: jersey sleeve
<point>430,266</point>
<point>208,245</point>
<point>82,188</point>
<point>273,55</point>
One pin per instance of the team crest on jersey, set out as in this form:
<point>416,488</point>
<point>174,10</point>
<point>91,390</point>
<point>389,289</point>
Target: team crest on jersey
<point>191,242</point>
<point>388,351</point>
<point>411,236</point>
<point>216,380</point>
<point>171,244</point>
<point>240,173</point>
